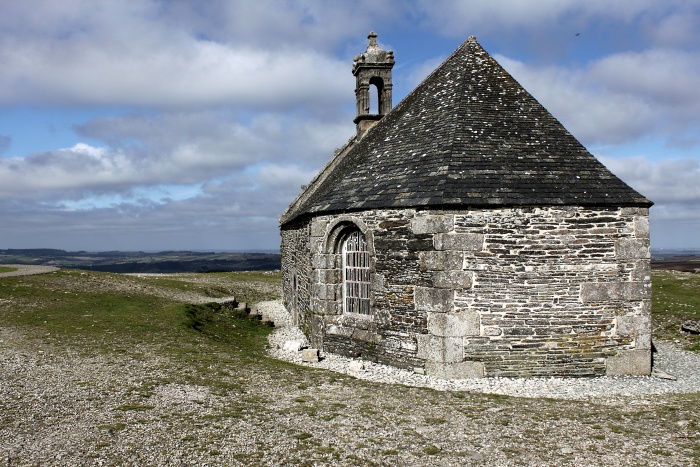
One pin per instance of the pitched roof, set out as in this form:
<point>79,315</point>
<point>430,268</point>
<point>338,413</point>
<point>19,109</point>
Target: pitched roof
<point>468,135</point>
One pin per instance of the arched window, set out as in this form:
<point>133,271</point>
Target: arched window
<point>376,85</point>
<point>356,284</point>
<point>295,301</point>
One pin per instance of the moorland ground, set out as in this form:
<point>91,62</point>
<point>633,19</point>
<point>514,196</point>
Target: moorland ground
<point>109,369</point>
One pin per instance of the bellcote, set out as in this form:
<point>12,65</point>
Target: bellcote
<point>372,68</point>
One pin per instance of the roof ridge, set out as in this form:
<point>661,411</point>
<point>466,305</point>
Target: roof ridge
<point>462,96</point>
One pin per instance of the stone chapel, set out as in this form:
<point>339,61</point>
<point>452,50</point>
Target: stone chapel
<point>466,233</point>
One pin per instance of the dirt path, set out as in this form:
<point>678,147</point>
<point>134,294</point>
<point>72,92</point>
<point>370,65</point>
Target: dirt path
<point>27,270</point>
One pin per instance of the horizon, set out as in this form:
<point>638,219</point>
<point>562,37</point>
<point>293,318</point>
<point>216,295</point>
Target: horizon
<point>159,126</point>
<point>261,251</point>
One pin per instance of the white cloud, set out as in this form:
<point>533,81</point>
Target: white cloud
<point>674,186</point>
<point>419,72</point>
<point>181,148</point>
<point>235,212</point>
<point>263,54</point>
<point>675,29</point>
<point>591,114</point>
<point>621,97</point>
<point>193,74</point>
<point>666,78</point>
<point>666,182</point>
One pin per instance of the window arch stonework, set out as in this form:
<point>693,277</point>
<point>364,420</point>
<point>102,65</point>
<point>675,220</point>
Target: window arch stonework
<point>346,284</point>
<point>355,274</point>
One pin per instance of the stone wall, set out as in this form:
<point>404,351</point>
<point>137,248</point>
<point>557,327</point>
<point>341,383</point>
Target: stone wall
<point>502,292</point>
<point>297,273</point>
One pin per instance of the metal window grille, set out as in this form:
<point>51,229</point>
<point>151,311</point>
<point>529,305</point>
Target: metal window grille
<point>355,274</point>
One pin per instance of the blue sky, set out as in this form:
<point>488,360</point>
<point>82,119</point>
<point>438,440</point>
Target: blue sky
<point>167,125</point>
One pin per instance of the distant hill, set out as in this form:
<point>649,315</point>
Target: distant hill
<point>687,263</point>
<point>142,262</point>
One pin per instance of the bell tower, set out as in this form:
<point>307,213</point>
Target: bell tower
<point>372,69</point>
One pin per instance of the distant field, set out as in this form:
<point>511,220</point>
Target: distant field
<point>7,269</point>
<point>141,262</point>
<point>686,262</point>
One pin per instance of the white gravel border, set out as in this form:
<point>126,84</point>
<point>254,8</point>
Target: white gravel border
<point>27,270</point>
<point>683,365</point>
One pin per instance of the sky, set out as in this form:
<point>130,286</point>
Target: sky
<point>191,125</point>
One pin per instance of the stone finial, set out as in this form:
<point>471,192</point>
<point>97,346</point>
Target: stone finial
<point>472,39</point>
<point>372,39</point>
<point>373,55</point>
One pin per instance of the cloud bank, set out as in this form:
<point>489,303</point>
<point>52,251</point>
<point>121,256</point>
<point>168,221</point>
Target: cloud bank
<point>209,116</point>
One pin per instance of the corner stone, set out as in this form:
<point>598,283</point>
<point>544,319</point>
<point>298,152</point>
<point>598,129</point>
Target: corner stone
<point>432,299</point>
<point>432,224</point>
<point>441,260</point>
<point>638,326</point>
<point>461,242</point>
<point>309,355</point>
<point>641,227</point>
<point>452,279</point>
<point>629,362</point>
<point>460,324</point>
<point>458,370</point>
<point>630,249</point>
<point>440,349</point>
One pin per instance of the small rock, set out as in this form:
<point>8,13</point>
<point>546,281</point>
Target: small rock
<point>356,365</point>
<point>309,355</point>
<point>656,373</point>
<point>421,430</point>
<point>566,450</point>
<point>292,346</point>
<point>692,326</point>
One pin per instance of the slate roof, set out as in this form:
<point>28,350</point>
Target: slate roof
<point>468,136</point>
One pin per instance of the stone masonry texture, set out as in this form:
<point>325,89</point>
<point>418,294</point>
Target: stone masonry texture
<point>550,292</point>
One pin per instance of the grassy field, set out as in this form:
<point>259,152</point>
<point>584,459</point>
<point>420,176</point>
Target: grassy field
<point>115,314</point>
<point>7,269</point>
<point>675,298</point>
<point>139,341</point>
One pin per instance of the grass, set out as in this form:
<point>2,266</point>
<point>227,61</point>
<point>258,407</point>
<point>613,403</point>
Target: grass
<point>431,450</point>
<point>675,298</point>
<point>7,269</point>
<point>97,315</point>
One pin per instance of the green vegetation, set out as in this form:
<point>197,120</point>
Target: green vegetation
<point>431,450</point>
<point>675,298</point>
<point>7,269</point>
<point>116,314</point>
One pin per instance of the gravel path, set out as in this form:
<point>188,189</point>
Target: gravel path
<point>668,361</point>
<point>26,270</point>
